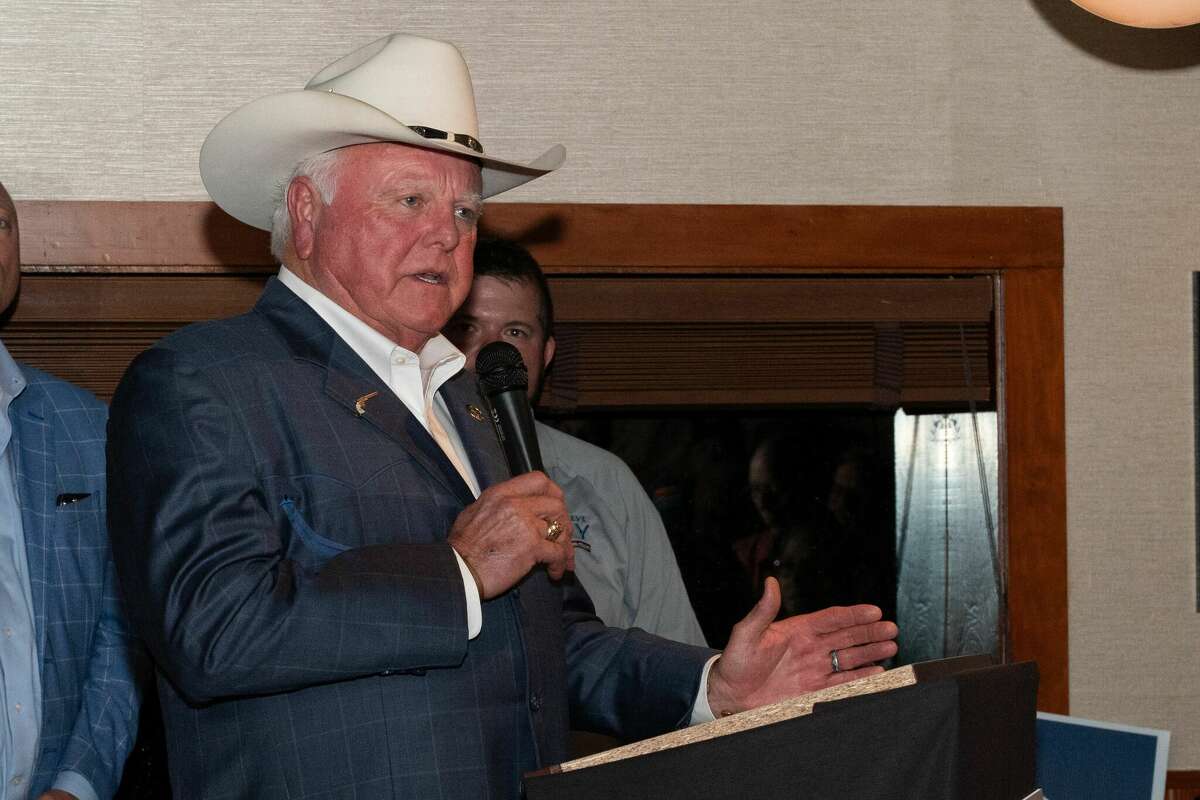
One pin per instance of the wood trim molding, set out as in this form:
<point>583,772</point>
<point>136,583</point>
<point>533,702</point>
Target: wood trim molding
<point>1034,420</point>
<point>1183,784</point>
<point>213,264</point>
<point>101,236</point>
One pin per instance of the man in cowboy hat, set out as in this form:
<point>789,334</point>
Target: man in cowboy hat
<point>345,593</point>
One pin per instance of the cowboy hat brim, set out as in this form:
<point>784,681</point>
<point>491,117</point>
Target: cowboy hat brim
<point>249,156</point>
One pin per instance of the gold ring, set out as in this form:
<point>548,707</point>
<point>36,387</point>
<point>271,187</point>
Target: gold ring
<point>553,530</point>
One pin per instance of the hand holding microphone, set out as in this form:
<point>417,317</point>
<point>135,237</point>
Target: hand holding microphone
<point>522,522</point>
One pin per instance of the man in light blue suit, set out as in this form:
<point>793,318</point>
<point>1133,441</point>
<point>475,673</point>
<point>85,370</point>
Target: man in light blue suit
<point>67,661</point>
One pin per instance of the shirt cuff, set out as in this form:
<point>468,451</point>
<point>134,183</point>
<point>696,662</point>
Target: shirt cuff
<point>474,607</point>
<point>701,712</point>
<point>76,784</point>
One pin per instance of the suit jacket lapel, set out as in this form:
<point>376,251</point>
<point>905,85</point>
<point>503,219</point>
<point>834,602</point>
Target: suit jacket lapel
<point>33,441</point>
<point>390,416</point>
<point>349,381</point>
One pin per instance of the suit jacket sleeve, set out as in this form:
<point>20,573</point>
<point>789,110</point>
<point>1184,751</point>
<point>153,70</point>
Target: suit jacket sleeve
<point>106,726</point>
<point>230,599</point>
<point>626,682</point>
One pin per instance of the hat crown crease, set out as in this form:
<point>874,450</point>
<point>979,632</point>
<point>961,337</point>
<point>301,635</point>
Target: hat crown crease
<point>414,81</point>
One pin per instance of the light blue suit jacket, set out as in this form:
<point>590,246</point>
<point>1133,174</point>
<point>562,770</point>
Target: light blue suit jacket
<point>90,696</point>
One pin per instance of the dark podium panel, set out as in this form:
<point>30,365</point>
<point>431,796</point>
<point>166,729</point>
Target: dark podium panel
<point>966,736</point>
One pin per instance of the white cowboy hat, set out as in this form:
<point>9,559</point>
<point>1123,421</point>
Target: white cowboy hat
<point>400,88</point>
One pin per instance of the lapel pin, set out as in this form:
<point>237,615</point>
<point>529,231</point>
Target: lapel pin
<point>360,405</point>
<point>475,411</point>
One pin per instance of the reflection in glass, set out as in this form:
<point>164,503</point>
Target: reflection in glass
<point>805,496</point>
<point>827,500</point>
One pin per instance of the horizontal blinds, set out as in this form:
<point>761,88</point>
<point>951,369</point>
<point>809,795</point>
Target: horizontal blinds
<point>678,342</point>
<point>623,340</point>
<point>88,354</point>
<point>86,328</point>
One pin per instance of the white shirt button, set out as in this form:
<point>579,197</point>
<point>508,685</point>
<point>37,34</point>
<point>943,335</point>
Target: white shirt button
<point>8,632</point>
<point>19,707</point>
<point>18,780</point>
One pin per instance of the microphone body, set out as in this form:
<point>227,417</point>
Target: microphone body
<point>505,382</point>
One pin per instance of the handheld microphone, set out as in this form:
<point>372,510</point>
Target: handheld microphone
<point>505,381</point>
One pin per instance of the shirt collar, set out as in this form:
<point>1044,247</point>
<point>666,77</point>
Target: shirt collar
<point>439,360</point>
<point>12,381</point>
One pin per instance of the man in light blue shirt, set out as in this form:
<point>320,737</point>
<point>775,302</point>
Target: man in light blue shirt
<point>67,663</point>
<point>624,559</point>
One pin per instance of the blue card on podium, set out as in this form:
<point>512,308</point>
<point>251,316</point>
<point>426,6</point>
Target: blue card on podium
<point>1078,758</point>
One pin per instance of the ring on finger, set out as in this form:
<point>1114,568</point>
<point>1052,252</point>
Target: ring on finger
<point>553,530</point>
<point>833,661</point>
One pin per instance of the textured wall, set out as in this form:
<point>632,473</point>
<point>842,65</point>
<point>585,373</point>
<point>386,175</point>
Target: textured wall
<point>787,101</point>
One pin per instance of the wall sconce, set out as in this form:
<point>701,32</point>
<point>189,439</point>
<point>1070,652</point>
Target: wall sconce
<point>1145,13</point>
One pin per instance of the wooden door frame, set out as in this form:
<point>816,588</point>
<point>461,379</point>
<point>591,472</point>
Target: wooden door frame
<point>1021,247</point>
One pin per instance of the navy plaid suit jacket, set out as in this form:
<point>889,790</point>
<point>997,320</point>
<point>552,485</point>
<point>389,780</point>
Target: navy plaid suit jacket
<point>88,660</point>
<point>305,612</point>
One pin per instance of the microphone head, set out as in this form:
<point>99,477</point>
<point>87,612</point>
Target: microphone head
<point>500,368</point>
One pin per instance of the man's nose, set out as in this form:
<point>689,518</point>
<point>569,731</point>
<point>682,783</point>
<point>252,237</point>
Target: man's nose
<point>444,229</point>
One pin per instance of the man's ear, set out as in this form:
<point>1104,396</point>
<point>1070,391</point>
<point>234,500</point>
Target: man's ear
<point>304,209</point>
<point>547,353</point>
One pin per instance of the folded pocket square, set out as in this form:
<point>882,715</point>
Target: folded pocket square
<point>67,498</point>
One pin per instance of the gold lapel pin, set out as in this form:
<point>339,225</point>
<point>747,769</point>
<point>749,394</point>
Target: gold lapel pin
<point>360,405</point>
<point>475,411</point>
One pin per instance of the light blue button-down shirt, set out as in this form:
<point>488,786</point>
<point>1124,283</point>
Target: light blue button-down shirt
<point>20,678</point>
<point>20,673</point>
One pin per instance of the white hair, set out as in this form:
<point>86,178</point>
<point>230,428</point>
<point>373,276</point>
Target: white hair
<point>322,170</point>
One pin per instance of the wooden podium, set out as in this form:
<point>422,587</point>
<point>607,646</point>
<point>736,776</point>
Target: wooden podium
<point>958,729</point>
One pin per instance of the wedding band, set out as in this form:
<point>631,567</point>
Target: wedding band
<point>833,660</point>
<point>553,530</point>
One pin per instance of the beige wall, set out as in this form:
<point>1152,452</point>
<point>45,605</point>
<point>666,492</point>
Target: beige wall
<point>787,101</point>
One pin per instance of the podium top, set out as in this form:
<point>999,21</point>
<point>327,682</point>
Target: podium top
<point>961,729</point>
<point>793,707</point>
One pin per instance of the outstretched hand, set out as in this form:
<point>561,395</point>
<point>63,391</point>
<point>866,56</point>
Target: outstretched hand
<point>768,661</point>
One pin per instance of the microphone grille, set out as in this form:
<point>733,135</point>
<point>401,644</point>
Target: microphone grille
<point>499,368</point>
